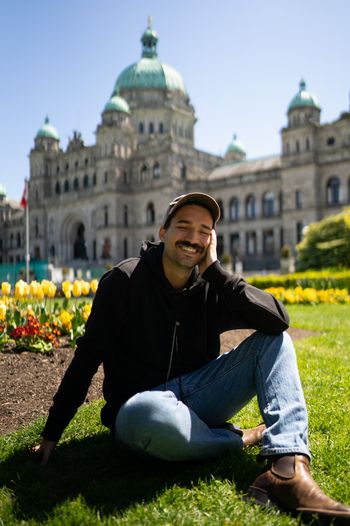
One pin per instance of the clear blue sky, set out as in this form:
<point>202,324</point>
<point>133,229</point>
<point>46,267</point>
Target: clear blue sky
<point>241,62</point>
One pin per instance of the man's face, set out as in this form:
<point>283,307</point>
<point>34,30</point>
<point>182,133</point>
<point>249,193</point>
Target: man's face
<point>187,237</point>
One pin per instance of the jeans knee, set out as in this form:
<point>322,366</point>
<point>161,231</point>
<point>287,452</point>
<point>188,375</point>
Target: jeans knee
<point>141,415</point>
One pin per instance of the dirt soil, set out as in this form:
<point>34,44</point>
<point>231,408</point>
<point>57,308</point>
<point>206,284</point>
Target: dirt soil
<point>28,380</point>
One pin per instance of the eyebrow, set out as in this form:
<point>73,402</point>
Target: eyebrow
<point>189,223</point>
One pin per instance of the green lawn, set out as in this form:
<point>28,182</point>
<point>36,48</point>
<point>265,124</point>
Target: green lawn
<point>90,482</point>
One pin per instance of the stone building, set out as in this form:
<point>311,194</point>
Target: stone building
<point>94,205</point>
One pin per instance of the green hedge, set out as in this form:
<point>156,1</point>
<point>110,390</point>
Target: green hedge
<point>319,280</point>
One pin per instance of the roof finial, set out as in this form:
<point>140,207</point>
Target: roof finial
<point>149,22</point>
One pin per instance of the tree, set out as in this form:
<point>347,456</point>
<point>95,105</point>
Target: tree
<point>326,243</point>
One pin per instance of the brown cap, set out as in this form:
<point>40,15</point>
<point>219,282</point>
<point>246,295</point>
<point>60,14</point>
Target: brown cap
<point>194,198</point>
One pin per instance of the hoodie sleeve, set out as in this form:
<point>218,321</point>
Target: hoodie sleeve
<point>101,332</point>
<point>242,306</point>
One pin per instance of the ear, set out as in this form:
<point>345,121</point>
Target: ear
<point>162,232</point>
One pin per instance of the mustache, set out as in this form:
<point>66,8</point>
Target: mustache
<point>189,244</point>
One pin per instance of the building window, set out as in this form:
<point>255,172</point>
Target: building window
<point>307,144</point>
<point>268,242</point>
<point>151,127</point>
<point>67,167</point>
<point>94,179</point>
<point>18,237</point>
<point>143,173</point>
<point>86,181</point>
<point>86,162</point>
<point>298,202</point>
<point>330,141</point>
<point>183,171</point>
<point>125,216</point>
<point>161,128</point>
<point>250,208</point>
<point>76,164</point>
<point>106,177</point>
<point>234,209</point>
<point>333,191</point>
<point>58,188</point>
<point>220,245</point>
<point>156,170</point>
<point>76,183</point>
<point>105,216</point>
<point>297,146</point>
<point>299,231</point>
<point>125,247</point>
<point>36,227</point>
<point>251,243</point>
<point>66,186</point>
<point>150,214</point>
<point>268,204</point>
<point>234,244</point>
<point>94,250</point>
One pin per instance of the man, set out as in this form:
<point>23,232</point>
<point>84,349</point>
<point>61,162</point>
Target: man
<point>155,326</point>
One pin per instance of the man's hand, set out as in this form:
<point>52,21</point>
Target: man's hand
<point>211,254</point>
<point>44,451</point>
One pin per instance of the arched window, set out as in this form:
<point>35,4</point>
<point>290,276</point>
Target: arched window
<point>183,171</point>
<point>268,204</point>
<point>161,128</point>
<point>150,214</point>
<point>141,127</point>
<point>94,179</point>
<point>58,188</point>
<point>234,209</point>
<point>333,191</point>
<point>156,170</point>
<point>125,247</point>
<point>151,127</point>
<point>76,183</point>
<point>221,206</point>
<point>143,173</point>
<point>297,146</point>
<point>66,186</point>
<point>250,208</point>
<point>86,181</point>
<point>18,240</point>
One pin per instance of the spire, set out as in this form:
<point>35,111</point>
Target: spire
<point>149,41</point>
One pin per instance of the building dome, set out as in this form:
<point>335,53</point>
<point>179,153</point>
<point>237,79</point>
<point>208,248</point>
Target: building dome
<point>149,72</point>
<point>236,146</point>
<point>47,131</point>
<point>303,98</point>
<point>2,191</point>
<point>117,103</point>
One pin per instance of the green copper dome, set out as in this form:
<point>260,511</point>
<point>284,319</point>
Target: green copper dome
<point>303,98</point>
<point>236,146</point>
<point>47,131</point>
<point>117,103</point>
<point>149,72</point>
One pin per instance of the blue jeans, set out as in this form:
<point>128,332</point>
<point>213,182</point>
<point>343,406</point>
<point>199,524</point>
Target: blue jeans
<point>158,423</point>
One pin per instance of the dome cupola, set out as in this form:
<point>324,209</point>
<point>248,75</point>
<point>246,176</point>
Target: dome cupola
<point>47,131</point>
<point>303,98</point>
<point>304,108</point>
<point>117,103</point>
<point>235,150</point>
<point>149,72</point>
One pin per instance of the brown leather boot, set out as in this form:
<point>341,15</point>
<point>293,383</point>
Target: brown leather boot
<point>287,482</point>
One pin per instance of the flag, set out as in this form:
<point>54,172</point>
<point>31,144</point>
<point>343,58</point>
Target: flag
<point>24,200</point>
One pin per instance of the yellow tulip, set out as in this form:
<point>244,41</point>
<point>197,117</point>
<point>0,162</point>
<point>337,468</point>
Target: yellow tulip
<point>3,309</point>
<point>45,286</point>
<point>40,292</point>
<point>33,287</point>
<point>66,285</point>
<point>6,288</point>
<point>94,285</point>
<point>76,290</point>
<point>86,311</point>
<point>51,290</point>
<point>30,311</point>
<point>20,289</point>
<point>85,288</point>
<point>65,318</point>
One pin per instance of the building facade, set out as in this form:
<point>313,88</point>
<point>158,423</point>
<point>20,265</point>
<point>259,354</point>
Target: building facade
<point>94,205</point>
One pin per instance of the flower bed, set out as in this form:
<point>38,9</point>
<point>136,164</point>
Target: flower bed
<point>36,316</point>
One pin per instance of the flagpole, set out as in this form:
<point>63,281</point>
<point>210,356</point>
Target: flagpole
<point>27,243</point>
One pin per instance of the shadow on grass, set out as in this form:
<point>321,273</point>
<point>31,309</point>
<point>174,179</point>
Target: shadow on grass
<point>108,478</point>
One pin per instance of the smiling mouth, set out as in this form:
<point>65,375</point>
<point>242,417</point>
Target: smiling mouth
<point>190,249</point>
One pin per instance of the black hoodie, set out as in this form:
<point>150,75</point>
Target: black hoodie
<point>131,330</point>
